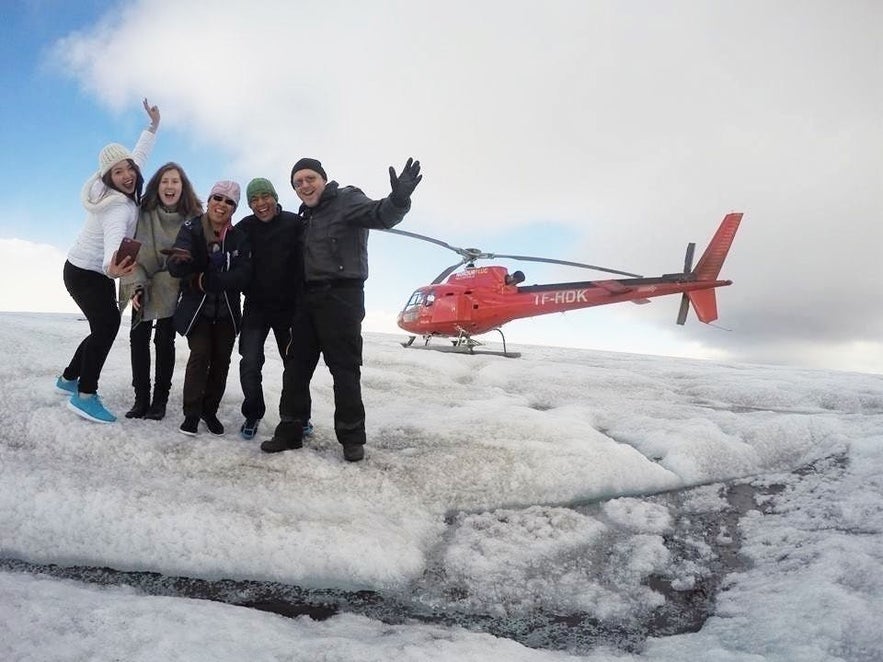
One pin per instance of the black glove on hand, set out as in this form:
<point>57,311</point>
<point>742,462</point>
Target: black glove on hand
<point>218,260</point>
<point>403,185</point>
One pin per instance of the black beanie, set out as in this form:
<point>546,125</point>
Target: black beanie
<point>308,164</point>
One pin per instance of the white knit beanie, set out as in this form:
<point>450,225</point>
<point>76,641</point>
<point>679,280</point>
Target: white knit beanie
<point>110,156</point>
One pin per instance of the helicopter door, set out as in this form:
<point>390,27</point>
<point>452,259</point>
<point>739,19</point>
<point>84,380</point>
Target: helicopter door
<point>447,307</point>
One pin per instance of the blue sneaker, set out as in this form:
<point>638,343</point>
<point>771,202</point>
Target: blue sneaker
<point>90,408</point>
<point>250,428</point>
<point>308,429</point>
<point>66,386</point>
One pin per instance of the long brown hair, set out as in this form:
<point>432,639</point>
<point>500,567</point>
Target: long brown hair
<point>189,205</point>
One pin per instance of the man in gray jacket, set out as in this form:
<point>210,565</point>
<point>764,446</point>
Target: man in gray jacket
<point>329,316</point>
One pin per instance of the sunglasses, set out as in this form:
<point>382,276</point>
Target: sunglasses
<point>221,198</point>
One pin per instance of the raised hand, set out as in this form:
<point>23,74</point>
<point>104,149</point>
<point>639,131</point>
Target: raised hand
<point>153,113</point>
<point>403,185</point>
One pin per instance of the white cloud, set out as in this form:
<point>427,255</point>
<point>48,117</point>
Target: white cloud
<point>639,125</point>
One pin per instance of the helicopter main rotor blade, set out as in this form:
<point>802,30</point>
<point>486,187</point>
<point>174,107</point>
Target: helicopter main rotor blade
<point>471,254</point>
<point>438,242</point>
<point>447,272</point>
<point>529,258</point>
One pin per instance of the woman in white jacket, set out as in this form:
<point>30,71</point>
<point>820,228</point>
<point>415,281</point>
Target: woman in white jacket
<point>111,197</point>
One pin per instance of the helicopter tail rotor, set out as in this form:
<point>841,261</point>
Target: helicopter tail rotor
<point>685,300</point>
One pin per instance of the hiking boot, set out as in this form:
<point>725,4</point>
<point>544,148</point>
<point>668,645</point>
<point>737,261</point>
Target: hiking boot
<point>353,452</point>
<point>250,428</point>
<point>213,424</point>
<point>189,426</point>
<point>157,410</point>
<point>89,406</point>
<point>308,429</point>
<point>66,386</point>
<point>142,404</point>
<point>287,436</point>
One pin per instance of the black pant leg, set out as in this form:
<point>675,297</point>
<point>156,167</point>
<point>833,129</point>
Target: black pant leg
<point>252,337</point>
<point>164,344</point>
<point>302,357</point>
<point>196,374</point>
<point>281,327</point>
<point>95,295</point>
<point>223,337</point>
<point>139,347</point>
<point>339,328</point>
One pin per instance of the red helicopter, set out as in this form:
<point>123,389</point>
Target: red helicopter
<point>482,299</point>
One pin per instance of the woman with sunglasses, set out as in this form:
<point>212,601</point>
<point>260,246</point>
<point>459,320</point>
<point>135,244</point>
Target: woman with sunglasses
<point>213,259</point>
<point>111,197</point>
<point>168,201</point>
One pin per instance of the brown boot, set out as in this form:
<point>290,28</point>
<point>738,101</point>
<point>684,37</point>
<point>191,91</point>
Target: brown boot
<point>288,435</point>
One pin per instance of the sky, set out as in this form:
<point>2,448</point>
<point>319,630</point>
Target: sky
<point>602,132</point>
<point>565,483</point>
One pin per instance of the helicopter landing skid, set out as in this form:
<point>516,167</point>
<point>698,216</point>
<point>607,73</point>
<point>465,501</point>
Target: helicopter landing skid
<point>462,344</point>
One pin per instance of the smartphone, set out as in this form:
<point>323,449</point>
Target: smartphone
<point>128,247</point>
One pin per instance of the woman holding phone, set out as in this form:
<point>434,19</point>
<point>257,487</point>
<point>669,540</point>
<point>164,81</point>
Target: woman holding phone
<point>111,198</point>
<point>168,201</point>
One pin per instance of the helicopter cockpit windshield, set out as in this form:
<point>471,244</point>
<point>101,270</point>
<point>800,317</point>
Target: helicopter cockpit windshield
<point>418,299</point>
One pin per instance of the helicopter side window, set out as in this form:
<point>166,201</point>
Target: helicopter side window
<point>429,300</point>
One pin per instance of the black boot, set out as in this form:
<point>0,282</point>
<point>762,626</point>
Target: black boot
<point>213,424</point>
<point>142,403</point>
<point>353,452</point>
<point>288,435</point>
<point>157,410</point>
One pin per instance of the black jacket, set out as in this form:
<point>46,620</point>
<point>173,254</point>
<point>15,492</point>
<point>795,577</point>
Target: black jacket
<point>208,291</point>
<point>336,232</point>
<point>276,260</point>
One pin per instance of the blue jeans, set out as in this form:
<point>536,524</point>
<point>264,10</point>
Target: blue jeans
<point>256,326</point>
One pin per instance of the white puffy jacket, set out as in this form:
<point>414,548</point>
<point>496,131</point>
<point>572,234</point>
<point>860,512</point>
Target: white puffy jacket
<point>110,216</point>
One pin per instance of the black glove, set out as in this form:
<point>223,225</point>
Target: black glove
<point>217,260</point>
<point>403,185</point>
